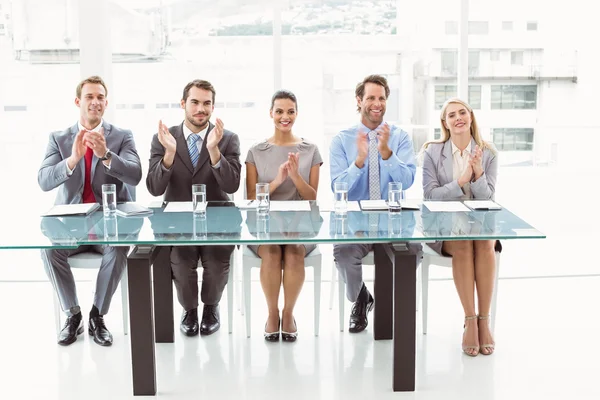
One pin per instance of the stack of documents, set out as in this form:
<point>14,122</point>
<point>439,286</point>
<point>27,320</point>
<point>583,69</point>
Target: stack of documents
<point>133,210</point>
<point>246,204</point>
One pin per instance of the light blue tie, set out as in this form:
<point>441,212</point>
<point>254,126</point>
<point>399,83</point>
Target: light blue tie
<point>374,184</point>
<point>193,148</point>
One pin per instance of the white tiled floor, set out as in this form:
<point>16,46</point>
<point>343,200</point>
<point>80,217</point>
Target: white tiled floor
<point>547,347</point>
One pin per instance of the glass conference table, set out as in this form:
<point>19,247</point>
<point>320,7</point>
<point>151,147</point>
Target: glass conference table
<point>149,273</point>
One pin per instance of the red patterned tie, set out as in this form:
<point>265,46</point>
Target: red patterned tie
<point>88,193</point>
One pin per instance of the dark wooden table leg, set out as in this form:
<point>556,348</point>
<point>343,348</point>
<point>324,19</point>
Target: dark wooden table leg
<point>143,363</point>
<point>383,293</point>
<point>405,292</point>
<point>163,295</point>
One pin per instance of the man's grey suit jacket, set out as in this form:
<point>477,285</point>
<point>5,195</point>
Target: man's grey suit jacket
<point>125,167</point>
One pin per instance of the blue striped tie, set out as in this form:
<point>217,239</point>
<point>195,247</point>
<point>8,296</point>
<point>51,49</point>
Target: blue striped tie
<point>193,148</point>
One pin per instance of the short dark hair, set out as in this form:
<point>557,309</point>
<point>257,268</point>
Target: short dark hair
<point>200,84</point>
<point>376,79</point>
<point>284,94</point>
<point>92,79</point>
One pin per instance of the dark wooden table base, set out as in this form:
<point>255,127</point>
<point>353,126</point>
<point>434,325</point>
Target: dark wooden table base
<point>141,321</point>
<point>395,297</point>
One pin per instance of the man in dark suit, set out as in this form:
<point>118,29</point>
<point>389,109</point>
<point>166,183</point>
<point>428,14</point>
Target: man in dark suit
<point>78,161</point>
<point>193,152</point>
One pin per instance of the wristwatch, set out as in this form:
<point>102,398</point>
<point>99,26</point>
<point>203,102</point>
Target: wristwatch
<point>107,155</point>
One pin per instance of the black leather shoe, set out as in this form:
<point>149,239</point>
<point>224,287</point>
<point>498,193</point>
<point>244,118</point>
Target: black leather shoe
<point>290,336</point>
<point>189,322</point>
<point>210,320</point>
<point>98,330</point>
<point>273,336</point>
<point>360,309</point>
<point>73,327</point>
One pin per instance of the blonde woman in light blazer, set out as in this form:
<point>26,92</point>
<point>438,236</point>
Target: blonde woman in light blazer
<point>462,166</point>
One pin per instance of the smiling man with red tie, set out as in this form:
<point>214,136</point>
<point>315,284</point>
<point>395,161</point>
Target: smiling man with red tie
<point>78,161</point>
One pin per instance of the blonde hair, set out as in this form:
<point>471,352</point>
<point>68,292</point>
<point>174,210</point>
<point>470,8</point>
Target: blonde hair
<point>474,128</point>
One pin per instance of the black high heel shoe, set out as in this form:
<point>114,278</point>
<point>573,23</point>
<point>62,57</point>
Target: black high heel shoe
<point>290,336</point>
<point>273,336</point>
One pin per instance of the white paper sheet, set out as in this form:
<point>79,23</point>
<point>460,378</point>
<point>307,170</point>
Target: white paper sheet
<point>289,205</point>
<point>482,205</point>
<point>383,206</point>
<point>445,206</point>
<point>178,206</point>
<point>71,209</point>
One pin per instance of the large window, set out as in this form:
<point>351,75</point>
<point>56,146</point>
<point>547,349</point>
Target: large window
<point>513,139</point>
<point>154,47</point>
<point>514,97</point>
<point>444,92</point>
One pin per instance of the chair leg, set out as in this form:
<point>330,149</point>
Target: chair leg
<point>419,277</point>
<point>230,292</point>
<point>341,295</point>
<point>57,311</point>
<point>424,292</point>
<point>124,300</point>
<point>495,293</point>
<point>247,302</point>
<point>317,292</point>
<point>331,292</point>
<point>236,279</point>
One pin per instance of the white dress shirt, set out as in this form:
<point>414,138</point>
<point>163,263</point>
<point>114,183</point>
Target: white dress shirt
<point>460,162</point>
<point>187,132</point>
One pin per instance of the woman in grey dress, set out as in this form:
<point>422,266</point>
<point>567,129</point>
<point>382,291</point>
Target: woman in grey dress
<point>462,166</point>
<point>291,166</point>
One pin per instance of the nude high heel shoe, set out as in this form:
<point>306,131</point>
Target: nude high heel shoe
<point>490,347</point>
<point>465,348</point>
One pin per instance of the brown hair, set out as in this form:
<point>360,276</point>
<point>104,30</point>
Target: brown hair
<point>92,79</point>
<point>474,128</point>
<point>376,79</point>
<point>200,84</point>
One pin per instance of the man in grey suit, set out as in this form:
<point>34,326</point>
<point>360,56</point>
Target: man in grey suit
<point>78,161</point>
<point>193,152</point>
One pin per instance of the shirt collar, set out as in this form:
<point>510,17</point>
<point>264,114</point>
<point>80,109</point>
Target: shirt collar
<point>456,149</point>
<point>363,128</point>
<point>187,132</point>
<point>96,129</point>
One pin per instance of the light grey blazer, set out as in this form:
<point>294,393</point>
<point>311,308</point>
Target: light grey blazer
<point>125,167</point>
<point>438,183</point>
